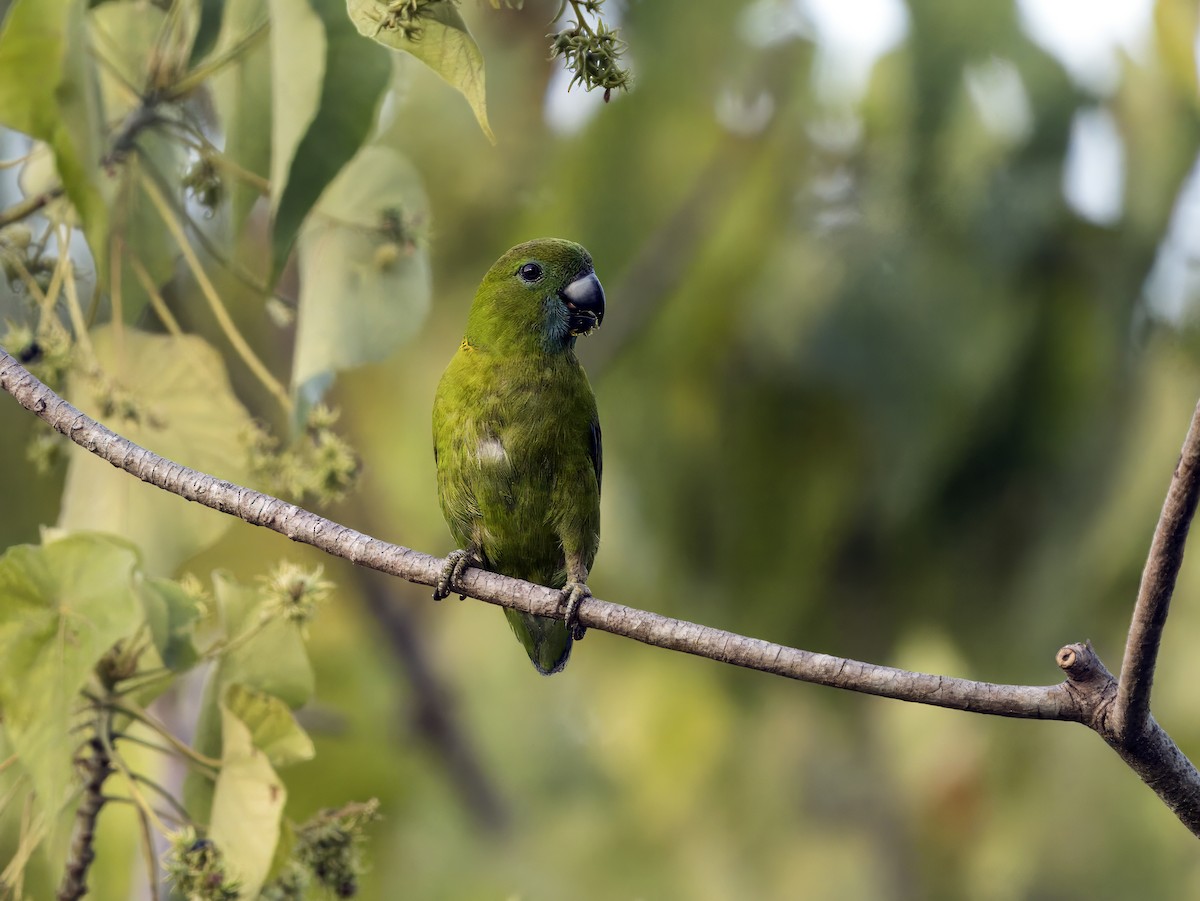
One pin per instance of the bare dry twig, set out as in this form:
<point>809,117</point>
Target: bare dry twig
<point>1154,594</point>
<point>1086,696</point>
<point>97,767</point>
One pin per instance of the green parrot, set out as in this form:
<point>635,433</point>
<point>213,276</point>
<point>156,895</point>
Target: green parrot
<point>516,437</point>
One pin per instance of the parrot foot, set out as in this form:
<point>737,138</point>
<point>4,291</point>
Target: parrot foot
<point>456,562</point>
<point>574,593</point>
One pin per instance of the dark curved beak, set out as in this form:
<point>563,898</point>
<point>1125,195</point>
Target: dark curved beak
<point>584,299</point>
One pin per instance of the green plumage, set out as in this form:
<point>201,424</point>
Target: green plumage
<point>516,435</point>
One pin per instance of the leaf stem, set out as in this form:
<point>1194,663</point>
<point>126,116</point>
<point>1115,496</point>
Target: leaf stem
<point>240,346</point>
<point>232,267</point>
<point>212,65</point>
<point>161,310</point>
<point>583,22</point>
<point>166,795</point>
<point>147,719</point>
<point>131,781</point>
<point>75,311</point>
<point>30,205</point>
<point>204,768</point>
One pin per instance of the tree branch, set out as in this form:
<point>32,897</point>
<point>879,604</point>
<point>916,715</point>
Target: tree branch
<point>1154,594</point>
<point>1087,696</point>
<point>97,768</point>
<point>298,524</point>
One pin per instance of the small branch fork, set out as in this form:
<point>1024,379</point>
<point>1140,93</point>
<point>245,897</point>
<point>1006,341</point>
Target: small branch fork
<point>1117,711</point>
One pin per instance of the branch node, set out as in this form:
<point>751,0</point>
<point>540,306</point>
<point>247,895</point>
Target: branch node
<point>1082,665</point>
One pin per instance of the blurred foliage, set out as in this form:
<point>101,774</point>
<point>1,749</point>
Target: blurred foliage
<point>870,385</point>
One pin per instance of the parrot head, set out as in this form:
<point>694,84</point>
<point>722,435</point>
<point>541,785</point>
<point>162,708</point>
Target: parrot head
<point>541,295</point>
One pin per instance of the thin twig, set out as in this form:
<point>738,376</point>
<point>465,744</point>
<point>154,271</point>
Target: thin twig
<point>215,63</point>
<point>243,349</point>
<point>230,265</point>
<point>161,310</point>
<point>148,719</point>
<point>30,205</point>
<point>1132,709</point>
<point>131,782</point>
<point>75,312</point>
<point>149,857</point>
<point>145,743</point>
<point>166,795</point>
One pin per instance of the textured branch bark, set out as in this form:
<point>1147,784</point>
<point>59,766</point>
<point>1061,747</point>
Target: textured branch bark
<point>1086,696</point>
<point>1132,710</point>
<point>97,769</point>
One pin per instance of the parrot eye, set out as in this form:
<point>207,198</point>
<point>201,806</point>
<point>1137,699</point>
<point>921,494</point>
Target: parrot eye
<point>530,272</point>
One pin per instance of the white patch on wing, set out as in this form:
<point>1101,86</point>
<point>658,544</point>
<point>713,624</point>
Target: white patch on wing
<point>491,452</point>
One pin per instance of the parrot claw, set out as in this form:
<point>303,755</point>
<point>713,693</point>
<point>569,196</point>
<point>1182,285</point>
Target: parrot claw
<point>574,593</point>
<point>452,570</point>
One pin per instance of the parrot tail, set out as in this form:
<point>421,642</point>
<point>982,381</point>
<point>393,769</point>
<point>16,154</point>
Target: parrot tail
<point>546,640</point>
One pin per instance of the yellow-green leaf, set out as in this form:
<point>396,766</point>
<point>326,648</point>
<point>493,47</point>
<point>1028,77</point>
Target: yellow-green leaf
<point>364,276</point>
<point>272,727</point>
<point>444,44</point>
<point>241,92</point>
<point>62,606</point>
<point>327,85</point>
<point>170,395</point>
<point>248,801</point>
<point>274,661</point>
<point>48,90</point>
<point>171,614</point>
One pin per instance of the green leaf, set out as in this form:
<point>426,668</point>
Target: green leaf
<point>171,614</point>
<point>182,408</point>
<point>275,661</point>
<point>247,805</point>
<point>364,277</point>
<point>272,727</point>
<point>444,44</point>
<point>241,94</point>
<point>63,605</point>
<point>209,28</point>
<point>327,84</point>
<point>48,90</point>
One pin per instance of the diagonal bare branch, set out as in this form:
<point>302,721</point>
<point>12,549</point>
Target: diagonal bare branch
<point>1132,709</point>
<point>298,524</point>
<point>1087,696</point>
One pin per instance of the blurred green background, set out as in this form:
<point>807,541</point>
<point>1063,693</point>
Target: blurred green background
<point>899,352</point>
